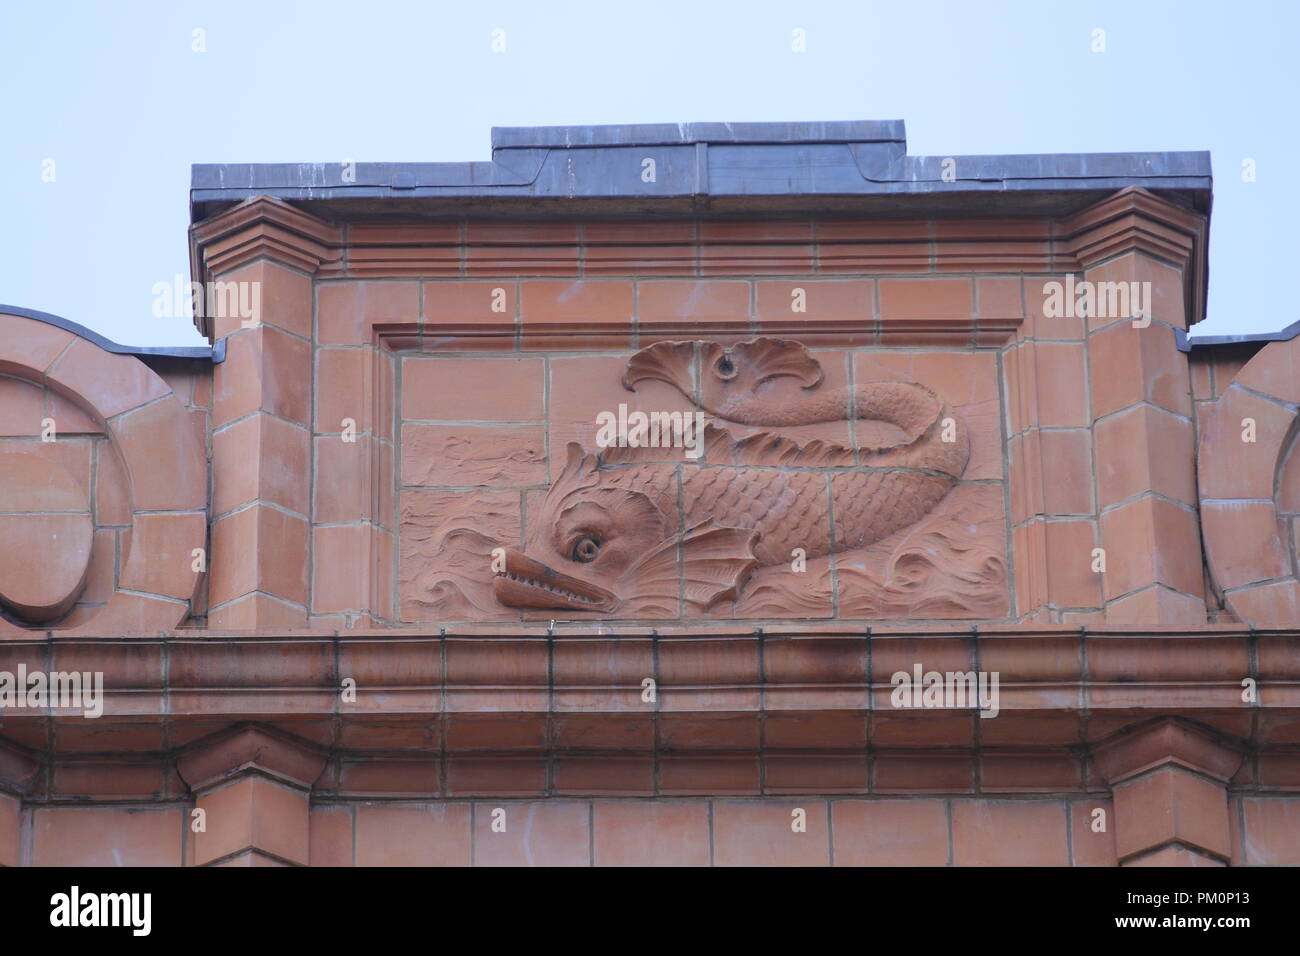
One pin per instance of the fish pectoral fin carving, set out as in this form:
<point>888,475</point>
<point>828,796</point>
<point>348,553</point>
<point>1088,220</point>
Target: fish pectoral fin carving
<point>714,564</point>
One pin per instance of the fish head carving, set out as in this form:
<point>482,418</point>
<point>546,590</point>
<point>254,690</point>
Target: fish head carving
<point>597,546</point>
<point>583,541</point>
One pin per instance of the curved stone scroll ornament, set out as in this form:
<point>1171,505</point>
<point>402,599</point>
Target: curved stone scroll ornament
<point>47,531</point>
<point>1249,486</point>
<point>165,467</point>
<point>636,533</point>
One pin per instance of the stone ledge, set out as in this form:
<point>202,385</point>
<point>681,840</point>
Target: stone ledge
<point>190,679</point>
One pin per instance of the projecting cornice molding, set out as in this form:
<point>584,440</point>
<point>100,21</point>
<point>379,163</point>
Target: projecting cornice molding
<point>1147,747</point>
<point>1132,219</point>
<point>795,710</point>
<point>19,772</point>
<point>261,227</point>
<point>1135,220</point>
<point>288,673</point>
<point>250,749</point>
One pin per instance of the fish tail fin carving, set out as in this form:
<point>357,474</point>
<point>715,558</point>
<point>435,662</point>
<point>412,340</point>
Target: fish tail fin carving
<point>670,362</point>
<point>934,439</point>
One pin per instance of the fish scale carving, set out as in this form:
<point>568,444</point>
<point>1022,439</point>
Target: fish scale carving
<point>864,504</point>
<point>657,482</point>
<point>789,509</point>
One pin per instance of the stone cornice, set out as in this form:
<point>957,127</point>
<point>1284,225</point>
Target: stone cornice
<point>1134,219</point>
<point>686,248</point>
<point>1131,219</point>
<point>1147,747</point>
<point>249,749</point>
<point>260,227</point>
<point>519,712</point>
<point>19,770</point>
<point>185,677</point>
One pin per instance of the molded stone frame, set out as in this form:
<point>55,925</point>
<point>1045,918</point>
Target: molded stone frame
<point>1250,489</point>
<point>378,290</point>
<point>925,354</point>
<point>165,464</point>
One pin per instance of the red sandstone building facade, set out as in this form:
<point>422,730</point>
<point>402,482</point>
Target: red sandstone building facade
<point>367,584</point>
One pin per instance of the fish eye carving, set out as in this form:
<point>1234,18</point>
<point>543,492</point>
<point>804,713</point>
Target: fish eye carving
<point>725,367</point>
<point>586,549</point>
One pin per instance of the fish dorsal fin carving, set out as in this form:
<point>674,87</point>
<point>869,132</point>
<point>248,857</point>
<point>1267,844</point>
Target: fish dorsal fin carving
<point>579,467</point>
<point>715,563</point>
<point>766,448</point>
<point>579,473</point>
<point>721,447</point>
<point>645,454</point>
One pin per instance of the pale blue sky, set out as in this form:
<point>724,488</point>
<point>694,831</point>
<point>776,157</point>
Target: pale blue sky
<point>115,96</point>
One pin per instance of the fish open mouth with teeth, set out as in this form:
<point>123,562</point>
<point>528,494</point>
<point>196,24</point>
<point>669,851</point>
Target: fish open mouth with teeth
<point>640,533</point>
<point>523,582</point>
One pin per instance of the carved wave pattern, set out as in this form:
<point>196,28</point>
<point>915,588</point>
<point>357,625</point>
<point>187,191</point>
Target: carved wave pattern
<point>446,553</point>
<point>942,568</point>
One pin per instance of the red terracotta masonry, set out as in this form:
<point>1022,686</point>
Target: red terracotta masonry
<point>571,518</point>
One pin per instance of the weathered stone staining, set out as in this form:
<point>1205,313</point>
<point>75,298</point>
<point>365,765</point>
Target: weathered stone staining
<point>421,565</point>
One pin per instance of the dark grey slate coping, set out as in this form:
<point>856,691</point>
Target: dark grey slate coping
<point>787,169</point>
<point>676,134</point>
<point>202,352</point>
<point>1188,342</point>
